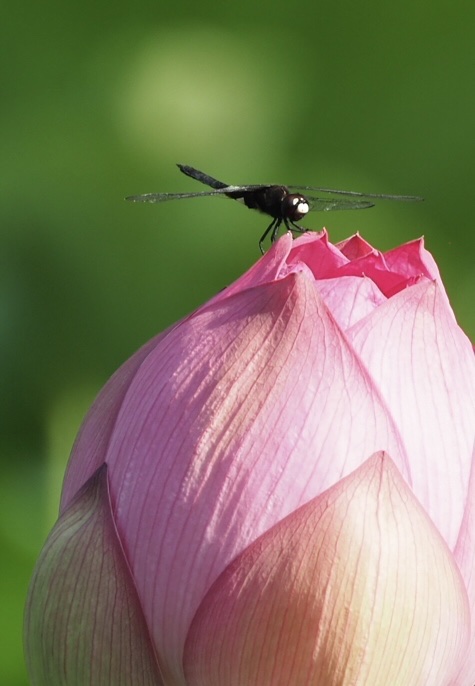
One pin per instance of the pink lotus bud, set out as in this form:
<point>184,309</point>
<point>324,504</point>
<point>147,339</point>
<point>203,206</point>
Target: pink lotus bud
<point>279,489</point>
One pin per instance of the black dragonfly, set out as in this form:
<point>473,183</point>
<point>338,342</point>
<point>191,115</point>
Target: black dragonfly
<point>279,202</point>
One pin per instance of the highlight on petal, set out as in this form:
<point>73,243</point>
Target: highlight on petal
<point>83,621</point>
<point>355,587</point>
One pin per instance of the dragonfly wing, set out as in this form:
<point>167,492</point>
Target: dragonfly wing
<point>201,176</point>
<point>328,204</point>
<point>380,196</point>
<point>162,197</point>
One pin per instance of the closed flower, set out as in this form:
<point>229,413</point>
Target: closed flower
<point>279,489</point>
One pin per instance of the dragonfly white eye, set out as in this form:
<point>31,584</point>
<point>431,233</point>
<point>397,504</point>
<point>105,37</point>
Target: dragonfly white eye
<point>299,205</point>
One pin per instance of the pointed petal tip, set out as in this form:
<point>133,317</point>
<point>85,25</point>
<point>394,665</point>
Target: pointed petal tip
<point>337,582</point>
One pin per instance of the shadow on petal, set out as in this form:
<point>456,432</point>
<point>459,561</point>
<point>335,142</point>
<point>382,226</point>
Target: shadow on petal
<point>83,621</point>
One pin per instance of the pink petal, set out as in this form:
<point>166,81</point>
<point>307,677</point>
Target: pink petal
<point>267,269</point>
<point>356,587</point>
<point>317,254</point>
<point>424,366</point>
<point>465,556</point>
<point>355,247</point>
<point>374,266</point>
<point>212,441</point>
<point>392,271</point>
<point>349,298</point>
<point>408,262</point>
<point>93,439</point>
<point>84,623</point>
<point>412,259</point>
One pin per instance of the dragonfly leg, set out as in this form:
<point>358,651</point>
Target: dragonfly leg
<point>274,227</point>
<point>295,227</point>
<point>275,230</point>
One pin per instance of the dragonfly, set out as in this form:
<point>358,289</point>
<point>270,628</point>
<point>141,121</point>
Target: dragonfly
<point>285,204</point>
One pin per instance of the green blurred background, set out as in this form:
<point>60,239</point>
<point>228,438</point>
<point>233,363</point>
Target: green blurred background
<point>101,100</point>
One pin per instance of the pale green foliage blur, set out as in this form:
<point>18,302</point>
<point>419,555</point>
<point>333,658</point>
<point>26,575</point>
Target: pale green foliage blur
<point>99,101</point>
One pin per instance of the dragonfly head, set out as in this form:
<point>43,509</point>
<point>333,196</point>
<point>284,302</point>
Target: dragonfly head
<point>295,206</point>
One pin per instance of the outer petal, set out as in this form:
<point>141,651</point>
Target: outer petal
<point>356,587</point>
<point>267,269</point>
<point>83,623</point>
<point>424,366</point>
<point>92,441</point>
<point>212,442</point>
<point>465,557</point>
